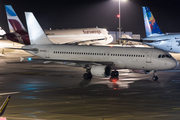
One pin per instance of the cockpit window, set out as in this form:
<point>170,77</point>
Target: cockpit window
<point>169,56</point>
<point>165,55</point>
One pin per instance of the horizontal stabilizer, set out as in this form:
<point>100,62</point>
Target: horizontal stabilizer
<point>30,49</point>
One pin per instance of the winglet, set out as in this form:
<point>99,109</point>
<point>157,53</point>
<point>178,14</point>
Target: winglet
<point>151,26</point>
<point>4,105</point>
<point>36,34</point>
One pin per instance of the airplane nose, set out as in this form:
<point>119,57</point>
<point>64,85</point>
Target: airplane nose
<point>173,63</point>
<point>177,63</point>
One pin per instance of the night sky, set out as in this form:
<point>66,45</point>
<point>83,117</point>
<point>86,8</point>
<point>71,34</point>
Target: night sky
<point>59,14</point>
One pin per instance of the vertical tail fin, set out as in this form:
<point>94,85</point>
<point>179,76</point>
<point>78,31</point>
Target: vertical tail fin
<point>14,22</point>
<point>36,34</point>
<point>151,26</point>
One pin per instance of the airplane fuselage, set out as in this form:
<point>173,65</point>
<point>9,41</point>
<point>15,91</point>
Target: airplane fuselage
<point>170,43</point>
<point>95,36</point>
<point>122,58</point>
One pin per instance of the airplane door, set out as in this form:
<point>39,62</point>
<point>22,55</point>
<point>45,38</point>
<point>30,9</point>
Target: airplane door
<point>148,57</point>
<point>47,52</point>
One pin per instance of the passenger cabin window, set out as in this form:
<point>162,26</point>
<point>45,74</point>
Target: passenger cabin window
<point>169,56</point>
<point>112,54</point>
<point>165,55</point>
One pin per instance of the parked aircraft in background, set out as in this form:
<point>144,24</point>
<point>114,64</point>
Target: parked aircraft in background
<point>84,36</point>
<point>2,33</point>
<point>154,36</point>
<point>97,60</point>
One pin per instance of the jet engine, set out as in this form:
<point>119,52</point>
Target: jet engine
<point>100,71</point>
<point>147,71</point>
<point>142,71</point>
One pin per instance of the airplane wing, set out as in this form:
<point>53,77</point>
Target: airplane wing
<point>4,105</point>
<point>65,62</point>
<point>76,39</point>
<point>86,41</point>
<point>144,41</point>
<point>70,61</point>
<point>65,41</point>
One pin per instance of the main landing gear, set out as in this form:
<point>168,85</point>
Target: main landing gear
<point>155,77</point>
<point>87,76</point>
<point>114,76</point>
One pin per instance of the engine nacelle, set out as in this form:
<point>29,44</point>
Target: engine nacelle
<point>141,71</point>
<point>147,71</point>
<point>101,71</point>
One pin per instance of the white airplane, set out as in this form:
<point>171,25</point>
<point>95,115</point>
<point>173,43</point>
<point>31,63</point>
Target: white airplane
<point>2,33</point>
<point>84,36</point>
<point>97,60</point>
<point>155,38</point>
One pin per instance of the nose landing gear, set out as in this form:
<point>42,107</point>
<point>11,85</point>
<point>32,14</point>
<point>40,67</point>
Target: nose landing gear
<point>155,77</point>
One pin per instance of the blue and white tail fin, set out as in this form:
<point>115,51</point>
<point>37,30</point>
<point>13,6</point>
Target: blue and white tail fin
<point>36,34</point>
<point>14,22</point>
<point>151,27</point>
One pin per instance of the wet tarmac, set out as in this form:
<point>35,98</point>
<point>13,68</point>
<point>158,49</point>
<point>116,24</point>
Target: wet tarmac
<point>57,92</point>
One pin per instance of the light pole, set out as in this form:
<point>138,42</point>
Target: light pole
<point>120,18</point>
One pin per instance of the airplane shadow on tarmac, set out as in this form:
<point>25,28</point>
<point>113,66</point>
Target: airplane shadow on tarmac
<point>96,87</point>
<point>111,85</point>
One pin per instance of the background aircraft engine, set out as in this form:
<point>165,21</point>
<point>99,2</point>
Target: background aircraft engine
<point>142,71</point>
<point>100,71</point>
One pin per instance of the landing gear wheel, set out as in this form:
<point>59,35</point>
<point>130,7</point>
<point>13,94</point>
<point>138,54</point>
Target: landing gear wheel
<point>113,79</point>
<point>155,78</point>
<point>87,76</point>
<point>114,74</point>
